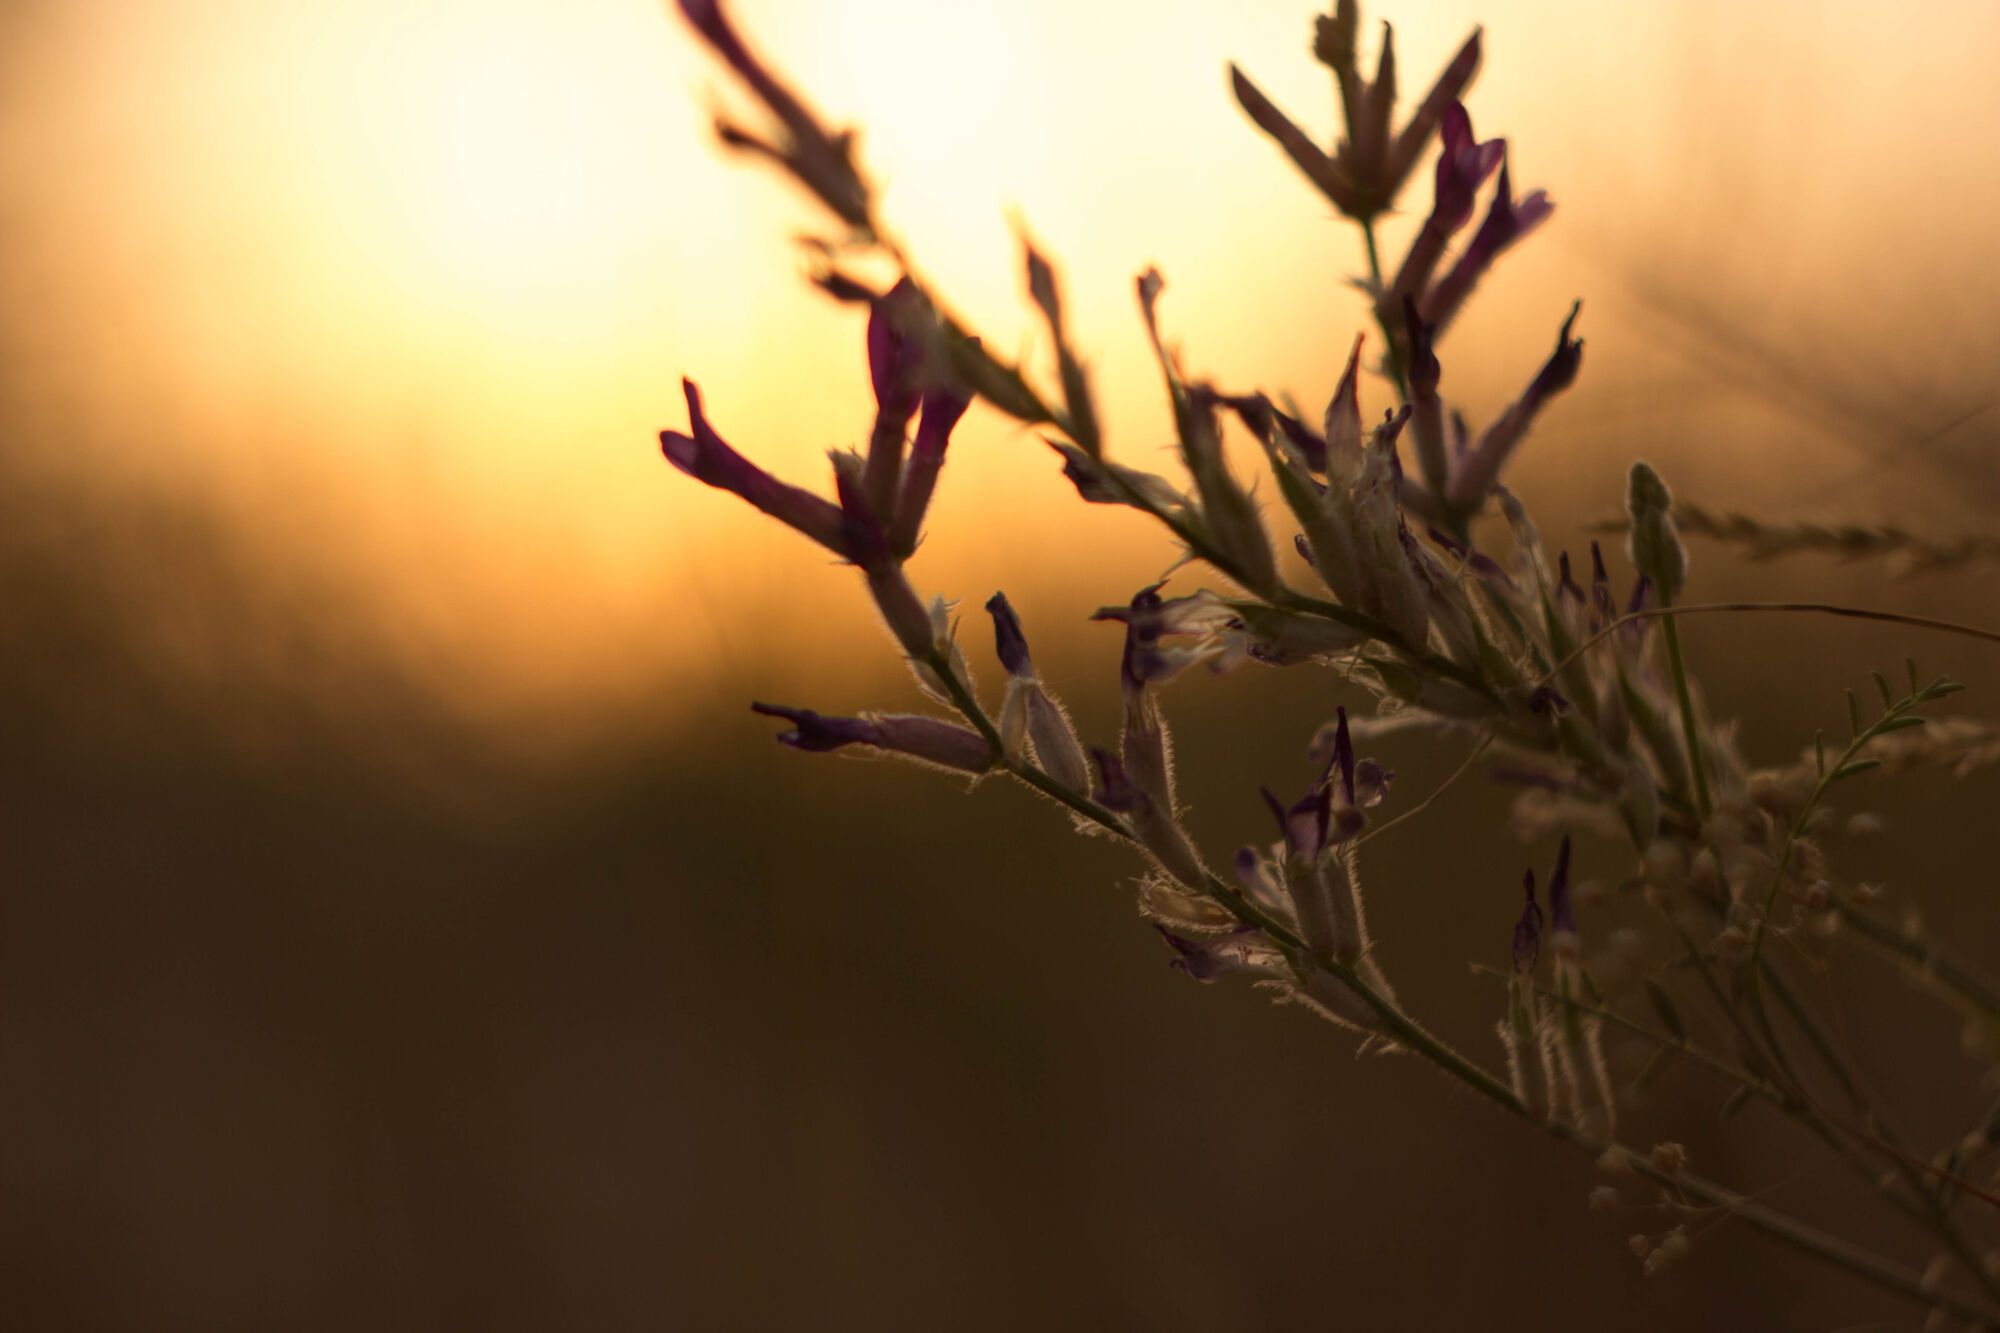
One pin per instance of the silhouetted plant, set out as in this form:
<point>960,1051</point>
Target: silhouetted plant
<point>1579,690</point>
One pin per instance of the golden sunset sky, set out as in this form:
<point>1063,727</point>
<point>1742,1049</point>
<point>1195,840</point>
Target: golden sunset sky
<point>399,296</point>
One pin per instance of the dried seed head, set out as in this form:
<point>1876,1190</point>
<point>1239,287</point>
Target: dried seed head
<point>1670,1157</point>
<point>1604,1198</point>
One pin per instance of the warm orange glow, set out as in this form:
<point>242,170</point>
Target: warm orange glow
<point>404,291</point>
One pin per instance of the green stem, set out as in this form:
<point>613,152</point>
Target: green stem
<point>1703,806</point>
<point>1391,357</point>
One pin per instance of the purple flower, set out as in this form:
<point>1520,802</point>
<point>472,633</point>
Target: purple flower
<point>1604,608</point>
<point>1463,166</point>
<point>943,404</point>
<point>896,357</point>
<point>896,349</point>
<point>708,458</point>
<point>1150,617</point>
<point>1507,221</point>
<point>1008,641</point>
<point>1528,930</point>
<point>1480,468</point>
<point>926,738</point>
<point>1566,585</point>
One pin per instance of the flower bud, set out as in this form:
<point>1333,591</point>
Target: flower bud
<point>708,458</point>
<point>923,738</point>
<point>1653,542</point>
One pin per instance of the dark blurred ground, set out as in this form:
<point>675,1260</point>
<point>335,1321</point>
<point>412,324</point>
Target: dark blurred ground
<point>334,996</point>
<point>693,1032</point>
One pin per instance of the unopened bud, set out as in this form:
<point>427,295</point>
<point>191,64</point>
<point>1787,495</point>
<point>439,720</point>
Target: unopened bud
<point>1655,544</point>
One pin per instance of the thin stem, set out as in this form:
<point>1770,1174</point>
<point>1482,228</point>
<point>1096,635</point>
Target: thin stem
<point>1926,958</point>
<point>1391,357</point>
<point>1413,1036</point>
<point>1703,807</point>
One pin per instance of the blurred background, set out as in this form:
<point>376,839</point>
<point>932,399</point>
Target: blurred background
<point>407,926</point>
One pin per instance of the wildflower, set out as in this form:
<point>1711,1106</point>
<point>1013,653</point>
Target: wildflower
<point>924,738</point>
<point>1464,163</point>
<point>707,457</point>
<point>1507,221</point>
<point>1368,167</point>
<point>943,404</point>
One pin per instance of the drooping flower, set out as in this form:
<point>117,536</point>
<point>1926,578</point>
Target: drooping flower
<point>912,736</point>
<point>707,457</point>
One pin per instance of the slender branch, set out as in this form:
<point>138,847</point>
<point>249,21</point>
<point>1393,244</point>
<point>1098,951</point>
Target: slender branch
<point>1391,357</point>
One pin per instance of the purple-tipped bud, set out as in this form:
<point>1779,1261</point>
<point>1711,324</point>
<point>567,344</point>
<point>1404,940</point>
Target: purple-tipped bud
<point>1480,469</point>
<point>1559,371</point>
<point>1342,760</point>
<point>1566,585</point>
<point>896,349</point>
<point>1604,608</point>
<point>1008,641</point>
<point>926,738</point>
<point>1205,960</point>
<point>1507,221</point>
<point>1342,455</point>
<point>943,404</point>
<point>1528,930</point>
<point>708,458</point>
<point>1462,167</point>
<point>1562,918</point>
